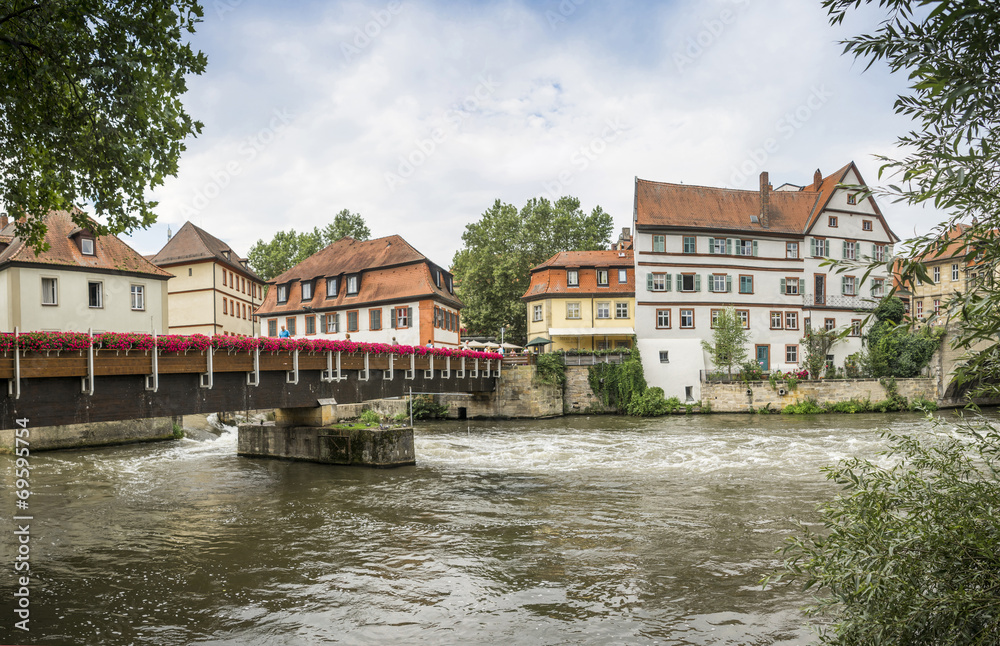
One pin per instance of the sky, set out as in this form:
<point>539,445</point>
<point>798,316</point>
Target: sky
<point>419,115</point>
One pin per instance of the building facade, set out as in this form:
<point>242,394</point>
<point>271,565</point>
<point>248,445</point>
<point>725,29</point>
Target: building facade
<point>699,250</point>
<point>82,282</point>
<point>949,273</point>
<point>583,300</point>
<point>374,291</point>
<point>213,290</point>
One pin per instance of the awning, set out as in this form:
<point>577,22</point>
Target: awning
<point>591,331</point>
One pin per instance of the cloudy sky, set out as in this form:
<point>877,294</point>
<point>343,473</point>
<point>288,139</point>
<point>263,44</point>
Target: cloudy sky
<point>420,114</point>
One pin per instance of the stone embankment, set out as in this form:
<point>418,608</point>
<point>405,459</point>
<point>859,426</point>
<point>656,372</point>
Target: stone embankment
<point>740,397</point>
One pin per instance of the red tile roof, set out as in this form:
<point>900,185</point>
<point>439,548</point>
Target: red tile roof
<point>549,278</point>
<point>110,253</point>
<point>192,243</point>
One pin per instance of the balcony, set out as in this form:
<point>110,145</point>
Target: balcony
<point>857,303</point>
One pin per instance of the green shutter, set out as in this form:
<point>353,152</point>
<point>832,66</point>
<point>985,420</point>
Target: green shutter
<point>826,248</point>
<point>843,249</point>
<point>729,246</point>
<point>649,282</point>
<point>754,247</point>
<point>843,285</point>
<point>667,281</point>
<point>812,246</point>
<point>711,245</point>
<point>784,287</point>
<point>697,282</point>
<point>729,283</point>
<point>802,286</point>
<point>680,283</point>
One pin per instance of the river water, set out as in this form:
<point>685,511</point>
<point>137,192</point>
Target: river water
<point>577,530</point>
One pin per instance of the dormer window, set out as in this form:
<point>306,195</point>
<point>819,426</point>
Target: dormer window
<point>307,290</point>
<point>437,278</point>
<point>352,285</point>
<point>451,286</point>
<point>331,287</point>
<point>572,278</point>
<point>87,246</point>
<point>282,293</point>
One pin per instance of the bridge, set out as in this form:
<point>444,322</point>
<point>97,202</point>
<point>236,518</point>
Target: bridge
<point>99,378</point>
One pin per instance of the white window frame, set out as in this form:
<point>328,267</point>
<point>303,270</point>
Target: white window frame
<point>661,316</point>
<point>139,290</point>
<point>54,291</point>
<point>536,313</point>
<point>352,285</point>
<point>690,325</point>
<point>100,294</point>
<point>604,310</point>
<point>88,243</point>
<point>792,250</point>
<point>307,290</point>
<point>331,287</point>
<point>571,307</point>
<point>659,282</point>
<point>572,278</point>
<point>607,278</point>
<point>954,271</point>
<point>621,306</point>
<point>622,276</point>
<point>282,294</point>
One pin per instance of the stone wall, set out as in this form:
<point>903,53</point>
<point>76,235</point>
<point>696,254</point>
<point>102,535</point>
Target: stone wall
<point>733,398</point>
<point>74,436</point>
<point>578,396</point>
<point>518,395</point>
<point>371,447</point>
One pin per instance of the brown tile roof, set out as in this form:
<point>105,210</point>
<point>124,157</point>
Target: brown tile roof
<point>192,243</point>
<point>391,271</point>
<point>110,253</point>
<point>549,278</point>
<point>949,250</point>
<point>729,209</point>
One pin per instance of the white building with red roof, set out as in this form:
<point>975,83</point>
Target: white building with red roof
<point>701,249</point>
<point>376,291</point>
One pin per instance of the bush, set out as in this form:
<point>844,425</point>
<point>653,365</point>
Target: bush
<point>908,552</point>
<point>851,406</point>
<point>370,417</point>
<point>807,407</point>
<point>652,404</point>
<point>424,407</point>
<point>751,371</point>
<point>549,369</point>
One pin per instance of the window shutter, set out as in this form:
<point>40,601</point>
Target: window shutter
<point>392,318</point>
<point>680,283</point>
<point>322,323</point>
<point>649,282</point>
<point>667,281</point>
<point>874,250</point>
<point>843,285</point>
<point>729,246</point>
<point>844,249</point>
<point>409,317</point>
<point>826,248</point>
<point>336,322</point>
<point>784,286</point>
<point>711,245</point>
<point>729,283</point>
<point>802,286</point>
<point>812,246</point>
<point>755,247</point>
<point>697,282</point>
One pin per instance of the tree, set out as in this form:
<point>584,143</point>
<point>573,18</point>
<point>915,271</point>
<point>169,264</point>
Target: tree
<point>893,349</point>
<point>346,224</point>
<point>729,347</point>
<point>493,268</point>
<point>288,248</point>
<point>90,107</point>
<point>817,344</point>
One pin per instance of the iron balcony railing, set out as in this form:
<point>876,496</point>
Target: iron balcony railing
<point>860,303</point>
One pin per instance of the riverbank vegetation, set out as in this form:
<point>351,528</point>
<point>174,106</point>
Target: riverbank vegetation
<point>623,386</point>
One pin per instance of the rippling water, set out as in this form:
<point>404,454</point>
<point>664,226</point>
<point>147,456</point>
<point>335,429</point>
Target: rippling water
<point>579,530</point>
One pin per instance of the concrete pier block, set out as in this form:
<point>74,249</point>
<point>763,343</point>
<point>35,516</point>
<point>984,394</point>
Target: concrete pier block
<point>370,447</point>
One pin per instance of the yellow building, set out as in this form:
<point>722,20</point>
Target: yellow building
<point>212,291</point>
<point>949,272</point>
<point>583,300</point>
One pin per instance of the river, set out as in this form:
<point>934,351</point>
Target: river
<point>577,530</point>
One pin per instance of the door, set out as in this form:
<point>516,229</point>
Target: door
<point>764,357</point>
<point>820,289</point>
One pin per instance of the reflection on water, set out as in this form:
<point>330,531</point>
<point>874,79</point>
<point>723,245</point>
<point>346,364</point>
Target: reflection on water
<point>596,530</point>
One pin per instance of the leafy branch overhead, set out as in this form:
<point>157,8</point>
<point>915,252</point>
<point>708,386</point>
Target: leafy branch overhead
<point>90,108</point>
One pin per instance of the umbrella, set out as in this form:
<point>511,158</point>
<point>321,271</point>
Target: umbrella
<point>477,345</point>
<point>510,346</point>
<point>539,341</point>
<point>492,344</point>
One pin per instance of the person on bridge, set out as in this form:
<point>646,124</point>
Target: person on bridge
<point>284,334</point>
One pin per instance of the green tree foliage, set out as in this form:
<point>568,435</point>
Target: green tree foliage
<point>729,341</point>
<point>893,349</point>
<point>623,386</point>
<point>288,248</point>
<point>493,268</point>
<point>90,108</point>
<point>908,554</point>
<point>816,345</point>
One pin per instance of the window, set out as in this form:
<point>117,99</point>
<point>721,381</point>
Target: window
<point>746,247</point>
<point>719,283</point>
<point>310,324</point>
<point>352,285</point>
<point>848,285</point>
<point>138,293</point>
<point>791,286</point>
<point>572,310</point>
<point>225,278</point>
<point>937,306</point>
<point>829,324</point>
<point>290,325</point>
<point>664,356</point>
<point>776,320</point>
<point>866,225</point>
<point>717,245</point>
<point>879,253</point>
<point>819,248</point>
<point>621,310</point>
<point>690,244</point>
<point>746,284</point>
<point>537,313</point>
<point>190,272</point>
<point>713,318</point>
<point>95,294</point>
<point>272,327</point>
<point>807,324</point>
<point>402,317</point>
<point>87,246</point>
<point>687,318</point>
<point>622,276</point>
<point>744,316</point>
<point>855,327</point>
<point>50,291</point>
<point>689,283</point>
<point>602,277</point>
<point>878,287</point>
<point>604,310</point>
<point>662,319</point>
<point>954,272</point>
<point>833,222</point>
<point>331,287</point>
<point>330,323</point>
<point>659,244</point>
<point>307,290</point>
<point>791,250</point>
<point>572,278</point>
<point>919,308</point>
<point>282,293</point>
<point>232,280</point>
<point>852,198</point>
<point>375,319</point>
<point>352,321</point>
<point>850,250</point>
<point>225,306</point>
<point>937,275</point>
<point>791,354</point>
<point>791,320</point>
<point>658,282</point>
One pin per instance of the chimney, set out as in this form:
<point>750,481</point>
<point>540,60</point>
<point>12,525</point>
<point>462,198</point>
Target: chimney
<point>817,179</point>
<point>765,198</point>
<point>4,220</point>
